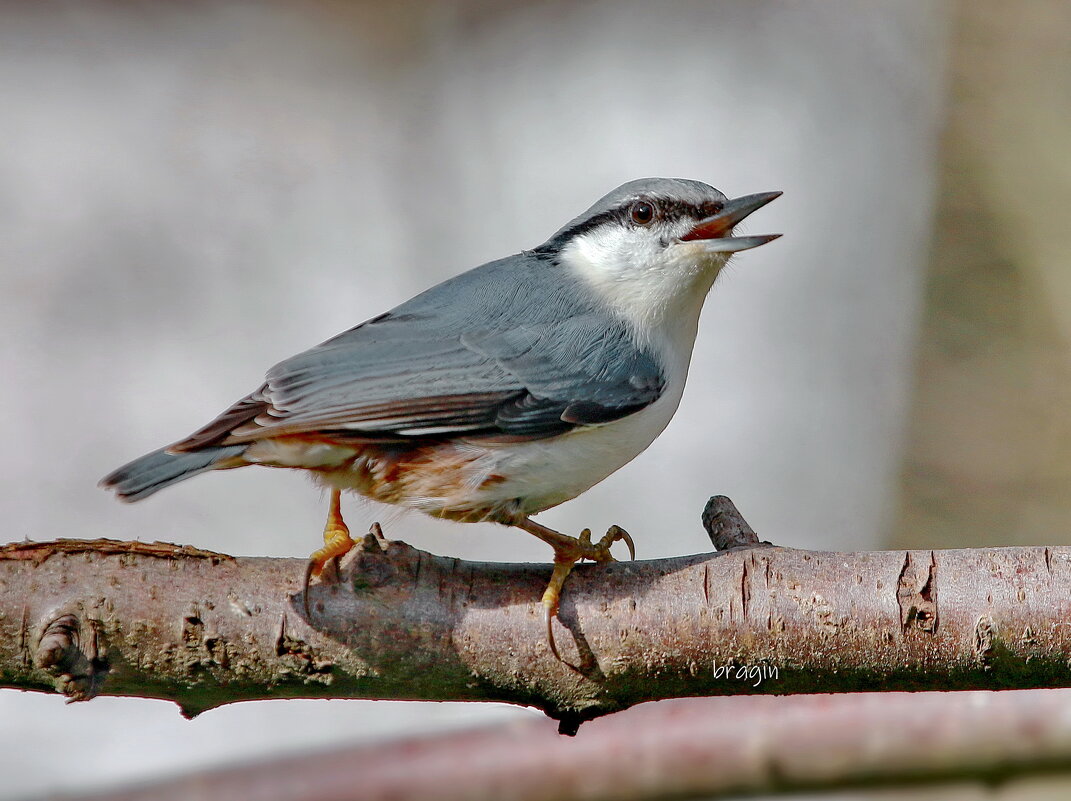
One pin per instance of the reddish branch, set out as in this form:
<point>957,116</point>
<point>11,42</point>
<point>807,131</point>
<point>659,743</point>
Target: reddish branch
<point>699,748</point>
<point>204,629</point>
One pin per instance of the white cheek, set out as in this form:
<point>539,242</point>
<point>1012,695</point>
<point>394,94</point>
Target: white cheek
<point>613,255</point>
<point>649,284</point>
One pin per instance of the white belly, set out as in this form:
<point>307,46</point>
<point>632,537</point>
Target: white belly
<point>544,473</point>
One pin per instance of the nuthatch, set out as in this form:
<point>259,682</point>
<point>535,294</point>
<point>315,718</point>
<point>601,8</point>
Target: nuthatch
<point>499,393</point>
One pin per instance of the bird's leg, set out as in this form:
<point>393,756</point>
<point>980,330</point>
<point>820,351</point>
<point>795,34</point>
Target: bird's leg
<point>567,552</point>
<point>337,542</point>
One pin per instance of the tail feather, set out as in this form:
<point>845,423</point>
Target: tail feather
<point>154,471</point>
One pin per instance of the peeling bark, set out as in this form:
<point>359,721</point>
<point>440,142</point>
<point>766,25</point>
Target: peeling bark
<point>204,629</point>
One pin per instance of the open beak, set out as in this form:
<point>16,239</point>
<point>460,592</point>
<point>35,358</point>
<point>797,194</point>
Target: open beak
<point>714,231</point>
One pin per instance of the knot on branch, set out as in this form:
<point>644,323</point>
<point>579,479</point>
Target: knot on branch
<point>72,656</point>
<point>916,592</point>
<point>372,563</point>
<point>370,569</point>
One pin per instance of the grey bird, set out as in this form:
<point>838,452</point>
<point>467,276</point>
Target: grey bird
<point>501,392</point>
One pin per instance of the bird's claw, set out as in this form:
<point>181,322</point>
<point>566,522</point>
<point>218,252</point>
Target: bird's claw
<point>337,542</point>
<point>600,551</point>
<point>566,555</point>
<point>612,535</point>
<point>310,571</point>
<point>315,567</point>
<point>549,613</point>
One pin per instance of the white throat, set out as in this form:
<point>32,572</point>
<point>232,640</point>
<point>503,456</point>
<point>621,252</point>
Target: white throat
<point>658,290</point>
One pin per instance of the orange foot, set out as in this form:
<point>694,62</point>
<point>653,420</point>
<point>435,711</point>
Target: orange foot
<point>567,552</point>
<point>337,542</point>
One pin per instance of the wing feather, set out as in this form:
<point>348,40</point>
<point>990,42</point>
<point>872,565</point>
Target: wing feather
<point>466,357</point>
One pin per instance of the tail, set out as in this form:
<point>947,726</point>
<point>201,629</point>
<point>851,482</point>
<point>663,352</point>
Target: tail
<point>159,469</point>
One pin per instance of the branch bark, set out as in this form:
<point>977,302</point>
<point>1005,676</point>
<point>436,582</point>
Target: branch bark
<point>204,629</point>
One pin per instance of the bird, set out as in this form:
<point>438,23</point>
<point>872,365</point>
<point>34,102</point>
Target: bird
<point>501,392</point>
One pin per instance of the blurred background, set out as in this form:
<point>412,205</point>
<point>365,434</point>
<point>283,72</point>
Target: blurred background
<point>191,192</point>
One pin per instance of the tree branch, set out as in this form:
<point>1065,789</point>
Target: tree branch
<point>695,748</point>
<point>204,629</point>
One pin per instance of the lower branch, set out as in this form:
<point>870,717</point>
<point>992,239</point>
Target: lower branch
<point>699,748</point>
<point>204,629</point>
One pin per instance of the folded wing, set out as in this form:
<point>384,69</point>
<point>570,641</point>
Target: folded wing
<point>438,367</point>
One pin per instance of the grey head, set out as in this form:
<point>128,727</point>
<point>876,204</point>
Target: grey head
<point>651,250</point>
<point>668,209</point>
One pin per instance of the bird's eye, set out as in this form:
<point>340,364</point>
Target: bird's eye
<point>642,212</point>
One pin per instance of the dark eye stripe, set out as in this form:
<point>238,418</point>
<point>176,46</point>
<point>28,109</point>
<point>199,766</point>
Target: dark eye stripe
<point>668,210</point>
